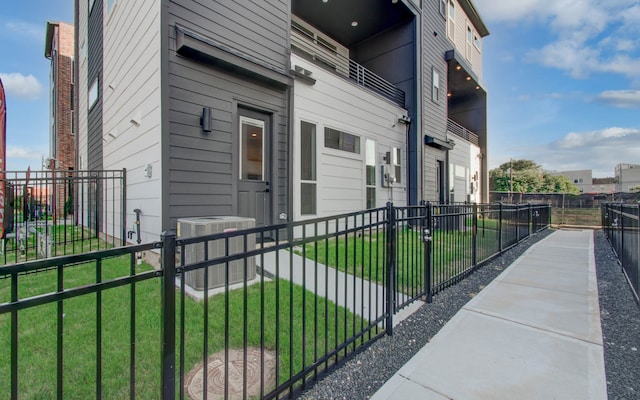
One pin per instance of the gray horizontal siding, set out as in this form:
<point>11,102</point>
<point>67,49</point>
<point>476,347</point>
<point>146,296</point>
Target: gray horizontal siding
<point>202,178</point>
<point>434,115</point>
<point>254,27</point>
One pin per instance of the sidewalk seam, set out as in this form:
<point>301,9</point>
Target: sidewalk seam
<point>532,327</point>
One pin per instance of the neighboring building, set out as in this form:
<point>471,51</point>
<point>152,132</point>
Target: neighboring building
<point>281,111</point>
<point>603,185</point>
<point>627,178</point>
<point>582,179</point>
<point>60,49</point>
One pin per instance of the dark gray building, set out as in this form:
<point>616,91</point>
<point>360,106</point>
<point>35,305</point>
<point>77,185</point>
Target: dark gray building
<point>280,110</point>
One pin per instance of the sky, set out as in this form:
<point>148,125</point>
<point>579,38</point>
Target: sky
<point>24,71</point>
<point>563,79</point>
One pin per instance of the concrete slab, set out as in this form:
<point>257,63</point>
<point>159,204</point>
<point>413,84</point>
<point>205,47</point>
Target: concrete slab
<point>476,356</point>
<point>362,297</point>
<point>533,333</point>
<point>400,387</point>
<point>557,311</point>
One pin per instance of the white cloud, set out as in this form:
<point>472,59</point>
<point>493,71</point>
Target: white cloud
<point>23,153</point>
<point>592,36</point>
<point>598,150</point>
<point>625,45</point>
<point>25,86</point>
<point>22,28</point>
<point>620,98</point>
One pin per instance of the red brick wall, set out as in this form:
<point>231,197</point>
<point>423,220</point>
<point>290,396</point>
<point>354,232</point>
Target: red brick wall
<point>65,135</point>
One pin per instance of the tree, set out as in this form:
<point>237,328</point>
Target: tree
<point>525,176</point>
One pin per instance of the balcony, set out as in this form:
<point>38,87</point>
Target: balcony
<point>330,55</point>
<point>462,132</point>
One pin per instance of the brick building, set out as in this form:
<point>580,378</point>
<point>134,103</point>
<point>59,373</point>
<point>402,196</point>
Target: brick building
<point>60,49</point>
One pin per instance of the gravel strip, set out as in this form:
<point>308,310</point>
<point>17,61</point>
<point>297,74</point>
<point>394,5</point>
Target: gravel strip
<point>363,375</point>
<point>620,317</point>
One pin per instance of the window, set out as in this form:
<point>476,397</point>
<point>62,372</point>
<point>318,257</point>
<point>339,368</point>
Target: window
<point>451,26</point>
<point>91,2</point>
<point>476,41</point>
<point>443,8</point>
<point>307,168</point>
<point>370,179</point>
<point>396,163</point>
<point>435,89</point>
<point>251,149</point>
<point>469,43</point>
<point>93,94</point>
<point>338,140</point>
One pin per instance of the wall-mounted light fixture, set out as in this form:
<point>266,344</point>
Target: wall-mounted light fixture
<point>205,121</point>
<point>404,119</point>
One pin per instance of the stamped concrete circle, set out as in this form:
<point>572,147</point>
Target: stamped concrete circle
<point>216,370</point>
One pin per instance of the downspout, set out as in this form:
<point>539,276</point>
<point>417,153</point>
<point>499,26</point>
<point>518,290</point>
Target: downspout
<point>408,133</point>
<point>447,179</point>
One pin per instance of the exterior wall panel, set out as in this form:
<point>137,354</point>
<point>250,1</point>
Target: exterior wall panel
<point>434,114</point>
<point>132,98</point>
<point>337,103</point>
<point>203,169</point>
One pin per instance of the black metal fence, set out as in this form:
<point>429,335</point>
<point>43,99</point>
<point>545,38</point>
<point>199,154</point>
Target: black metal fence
<point>620,223</point>
<point>51,213</point>
<point>278,306</point>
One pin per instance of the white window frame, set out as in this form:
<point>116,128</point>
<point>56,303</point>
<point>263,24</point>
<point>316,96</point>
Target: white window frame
<point>307,181</point>
<point>469,42</point>
<point>370,161</point>
<point>435,85</point>
<point>451,20</point>
<point>396,163</point>
<point>442,5</point>
<point>476,41</point>
<point>93,94</point>
<point>355,154</point>
<point>257,123</point>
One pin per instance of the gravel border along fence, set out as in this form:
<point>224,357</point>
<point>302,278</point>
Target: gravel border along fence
<point>360,377</point>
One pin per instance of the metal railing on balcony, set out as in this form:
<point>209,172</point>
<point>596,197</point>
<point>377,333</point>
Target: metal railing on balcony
<point>328,56</point>
<point>462,132</point>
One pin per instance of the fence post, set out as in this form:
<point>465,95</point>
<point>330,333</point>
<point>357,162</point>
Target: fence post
<point>428,240</point>
<point>500,229</point>
<point>168,315</point>
<point>637,266</point>
<point>123,202</point>
<point>517,223</point>
<point>474,235</point>
<point>621,256</point>
<point>530,220</point>
<point>390,264</point>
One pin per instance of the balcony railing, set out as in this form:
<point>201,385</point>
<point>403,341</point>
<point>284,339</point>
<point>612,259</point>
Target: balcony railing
<point>327,55</point>
<point>462,132</point>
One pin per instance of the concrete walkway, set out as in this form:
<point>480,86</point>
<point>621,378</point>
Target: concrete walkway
<point>353,293</point>
<point>533,333</point>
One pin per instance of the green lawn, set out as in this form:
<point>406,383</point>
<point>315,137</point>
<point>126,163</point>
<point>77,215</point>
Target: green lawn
<point>65,240</point>
<point>364,256</point>
<point>38,332</point>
